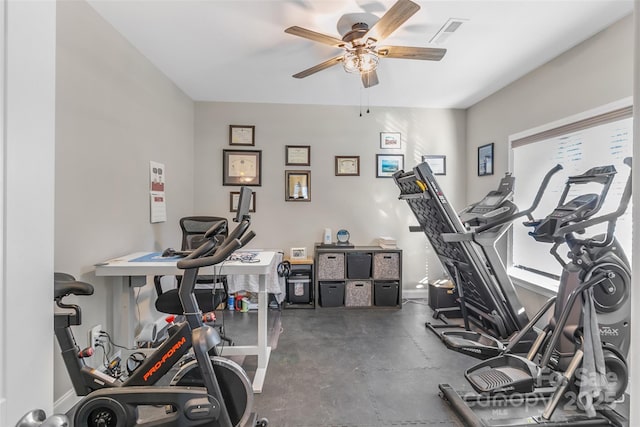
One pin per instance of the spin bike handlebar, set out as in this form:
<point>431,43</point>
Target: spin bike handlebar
<point>216,228</point>
<point>199,258</point>
<point>610,217</point>
<point>526,212</point>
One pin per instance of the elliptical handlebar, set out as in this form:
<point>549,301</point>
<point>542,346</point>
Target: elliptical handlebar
<point>526,212</point>
<point>610,217</point>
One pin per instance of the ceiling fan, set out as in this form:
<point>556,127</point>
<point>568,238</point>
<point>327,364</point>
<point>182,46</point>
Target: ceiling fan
<point>360,44</point>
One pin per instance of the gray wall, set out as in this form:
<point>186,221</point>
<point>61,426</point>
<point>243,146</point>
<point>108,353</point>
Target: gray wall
<point>115,112</point>
<point>596,72</point>
<point>26,178</point>
<point>365,205</point>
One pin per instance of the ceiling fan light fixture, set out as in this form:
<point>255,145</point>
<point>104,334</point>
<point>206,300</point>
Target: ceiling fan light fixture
<point>360,61</point>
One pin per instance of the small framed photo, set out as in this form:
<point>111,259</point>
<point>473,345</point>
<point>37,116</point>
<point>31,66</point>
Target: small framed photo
<point>298,155</point>
<point>298,253</point>
<point>297,186</point>
<point>438,164</point>
<point>242,167</point>
<point>390,140</point>
<point>242,135</point>
<point>234,198</point>
<point>347,165</point>
<point>485,160</point>
<point>388,164</point>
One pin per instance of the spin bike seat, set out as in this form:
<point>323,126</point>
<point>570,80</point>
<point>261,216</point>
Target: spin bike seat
<point>65,284</point>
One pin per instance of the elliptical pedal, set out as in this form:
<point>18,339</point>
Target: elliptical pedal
<point>506,373</point>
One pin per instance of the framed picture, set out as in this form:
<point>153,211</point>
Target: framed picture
<point>297,186</point>
<point>234,198</point>
<point>298,253</point>
<point>388,164</point>
<point>241,167</point>
<point>390,140</point>
<point>298,155</point>
<point>485,160</point>
<point>242,135</point>
<point>438,164</point>
<point>347,165</point>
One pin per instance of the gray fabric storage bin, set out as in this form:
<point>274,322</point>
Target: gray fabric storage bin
<point>331,266</point>
<point>358,265</point>
<point>386,266</point>
<point>331,294</point>
<point>358,293</point>
<point>385,293</point>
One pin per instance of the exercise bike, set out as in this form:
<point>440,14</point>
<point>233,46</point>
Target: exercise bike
<point>588,334</point>
<point>207,390</point>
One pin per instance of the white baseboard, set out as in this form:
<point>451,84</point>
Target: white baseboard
<point>65,402</point>
<point>415,293</point>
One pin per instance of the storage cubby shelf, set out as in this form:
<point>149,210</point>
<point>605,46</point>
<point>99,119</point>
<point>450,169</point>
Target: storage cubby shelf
<point>357,277</point>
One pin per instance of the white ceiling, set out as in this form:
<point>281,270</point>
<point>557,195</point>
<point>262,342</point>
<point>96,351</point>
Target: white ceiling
<point>237,50</point>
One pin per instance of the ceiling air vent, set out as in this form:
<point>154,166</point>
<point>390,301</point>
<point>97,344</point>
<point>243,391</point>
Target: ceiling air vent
<point>449,27</point>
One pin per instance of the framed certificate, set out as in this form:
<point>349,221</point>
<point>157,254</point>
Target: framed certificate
<point>298,155</point>
<point>438,164</point>
<point>347,165</point>
<point>241,167</point>
<point>242,135</point>
<point>234,198</point>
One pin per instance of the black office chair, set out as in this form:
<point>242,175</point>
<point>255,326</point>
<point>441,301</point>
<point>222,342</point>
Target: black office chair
<point>193,230</point>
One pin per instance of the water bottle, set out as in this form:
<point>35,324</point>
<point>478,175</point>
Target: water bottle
<point>231,303</point>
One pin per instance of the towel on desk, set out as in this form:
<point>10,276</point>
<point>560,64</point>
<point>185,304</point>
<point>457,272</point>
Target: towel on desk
<point>251,282</point>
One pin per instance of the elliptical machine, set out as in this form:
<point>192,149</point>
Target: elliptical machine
<point>581,352</point>
<point>211,390</point>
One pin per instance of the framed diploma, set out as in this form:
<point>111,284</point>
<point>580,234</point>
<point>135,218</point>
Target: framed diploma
<point>242,135</point>
<point>298,155</point>
<point>234,198</point>
<point>438,164</point>
<point>347,165</point>
<point>241,167</point>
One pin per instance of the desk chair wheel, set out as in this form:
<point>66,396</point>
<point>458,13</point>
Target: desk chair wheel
<point>262,423</point>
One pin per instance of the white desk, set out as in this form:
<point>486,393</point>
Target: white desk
<point>135,274</point>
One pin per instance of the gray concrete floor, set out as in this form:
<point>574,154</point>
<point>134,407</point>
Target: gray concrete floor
<point>337,367</point>
<point>355,367</point>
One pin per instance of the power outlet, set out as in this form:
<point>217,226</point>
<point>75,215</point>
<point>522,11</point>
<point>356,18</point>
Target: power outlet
<point>94,336</point>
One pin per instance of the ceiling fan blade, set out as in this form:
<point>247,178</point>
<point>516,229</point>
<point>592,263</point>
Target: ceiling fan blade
<point>406,52</point>
<point>316,37</point>
<point>390,21</point>
<point>326,64</point>
<point>369,79</point>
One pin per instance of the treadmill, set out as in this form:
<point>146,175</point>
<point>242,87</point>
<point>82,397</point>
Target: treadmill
<point>465,245</point>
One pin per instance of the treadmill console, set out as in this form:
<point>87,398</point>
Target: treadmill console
<point>493,206</point>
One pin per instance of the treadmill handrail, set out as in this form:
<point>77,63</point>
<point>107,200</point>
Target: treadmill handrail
<point>526,212</point>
